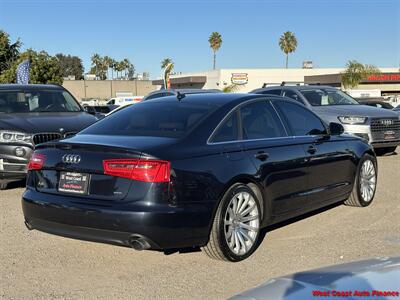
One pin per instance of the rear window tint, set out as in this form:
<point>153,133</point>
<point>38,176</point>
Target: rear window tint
<point>163,119</point>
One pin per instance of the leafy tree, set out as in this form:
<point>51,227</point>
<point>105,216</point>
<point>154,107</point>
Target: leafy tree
<point>288,44</point>
<point>165,62</point>
<point>356,72</point>
<point>108,62</point>
<point>99,66</point>
<point>232,88</point>
<point>129,68</point>
<point>215,41</point>
<point>44,68</point>
<point>8,51</point>
<point>70,65</point>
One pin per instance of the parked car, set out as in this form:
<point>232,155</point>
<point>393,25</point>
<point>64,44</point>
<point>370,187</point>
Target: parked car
<point>124,100</point>
<point>368,279</point>
<point>380,127</point>
<point>171,92</point>
<point>208,170</point>
<point>99,111</point>
<point>375,102</point>
<point>118,108</point>
<point>30,115</point>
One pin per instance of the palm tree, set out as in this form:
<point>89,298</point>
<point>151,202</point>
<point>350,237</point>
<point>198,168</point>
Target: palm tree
<point>107,61</point>
<point>112,66</point>
<point>356,72</point>
<point>232,88</point>
<point>126,63</point>
<point>215,41</point>
<point>96,59</point>
<point>165,62</point>
<point>120,66</point>
<point>288,44</point>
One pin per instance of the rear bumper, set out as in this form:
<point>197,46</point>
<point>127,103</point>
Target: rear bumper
<point>163,226</point>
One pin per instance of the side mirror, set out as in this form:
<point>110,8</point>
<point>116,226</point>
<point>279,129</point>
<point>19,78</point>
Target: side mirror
<point>335,128</point>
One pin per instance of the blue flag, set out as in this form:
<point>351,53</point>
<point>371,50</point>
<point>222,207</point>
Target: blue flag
<point>23,72</point>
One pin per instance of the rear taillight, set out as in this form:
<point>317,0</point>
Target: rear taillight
<point>138,169</point>
<point>37,161</point>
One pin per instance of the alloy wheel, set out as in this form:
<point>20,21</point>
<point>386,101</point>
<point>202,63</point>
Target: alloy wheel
<point>241,223</point>
<point>367,180</point>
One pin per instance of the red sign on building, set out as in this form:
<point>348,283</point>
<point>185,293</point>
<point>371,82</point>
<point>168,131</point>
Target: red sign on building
<point>384,77</point>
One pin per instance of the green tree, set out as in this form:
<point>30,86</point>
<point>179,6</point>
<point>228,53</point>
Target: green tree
<point>99,66</point>
<point>165,62</point>
<point>288,44</point>
<point>8,51</point>
<point>108,62</point>
<point>70,65</point>
<point>232,88</point>
<point>215,41</point>
<point>112,66</point>
<point>356,72</point>
<point>44,68</point>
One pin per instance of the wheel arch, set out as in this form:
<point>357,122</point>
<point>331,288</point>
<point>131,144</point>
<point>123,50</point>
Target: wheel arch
<point>254,185</point>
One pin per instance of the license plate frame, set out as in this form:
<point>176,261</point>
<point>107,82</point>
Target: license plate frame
<point>389,135</point>
<point>73,183</point>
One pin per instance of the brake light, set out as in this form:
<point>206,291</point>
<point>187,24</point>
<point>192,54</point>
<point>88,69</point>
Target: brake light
<point>150,170</point>
<point>37,161</point>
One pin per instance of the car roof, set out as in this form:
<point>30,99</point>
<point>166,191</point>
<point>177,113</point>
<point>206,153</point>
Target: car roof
<point>216,98</point>
<point>293,87</point>
<point>14,86</point>
<point>185,91</point>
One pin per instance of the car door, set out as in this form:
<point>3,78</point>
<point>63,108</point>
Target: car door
<point>278,161</point>
<point>329,162</point>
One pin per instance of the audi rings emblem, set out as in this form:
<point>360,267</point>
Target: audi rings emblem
<point>71,158</point>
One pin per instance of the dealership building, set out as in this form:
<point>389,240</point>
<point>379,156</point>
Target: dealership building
<point>387,82</point>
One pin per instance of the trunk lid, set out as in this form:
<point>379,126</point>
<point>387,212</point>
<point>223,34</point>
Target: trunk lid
<point>62,159</point>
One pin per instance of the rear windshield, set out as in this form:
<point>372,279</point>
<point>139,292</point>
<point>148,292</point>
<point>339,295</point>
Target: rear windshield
<point>37,101</point>
<point>163,119</point>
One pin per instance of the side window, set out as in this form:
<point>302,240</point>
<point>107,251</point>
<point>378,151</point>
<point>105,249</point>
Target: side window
<point>300,120</point>
<point>292,95</point>
<point>228,131</point>
<point>260,121</point>
<point>273,92</point>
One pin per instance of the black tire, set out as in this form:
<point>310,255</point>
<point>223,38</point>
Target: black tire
<point>217,246</point>
<point>356,198</point>
<point>3,185</point>
<point>383,151</point>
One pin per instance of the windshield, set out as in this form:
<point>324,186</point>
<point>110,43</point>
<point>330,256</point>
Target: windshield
<point>322,97</point>
<point>162,119</point>
<point>37,101</point>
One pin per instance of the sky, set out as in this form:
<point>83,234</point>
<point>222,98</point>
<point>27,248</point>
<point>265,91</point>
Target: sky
<point>328,32</point>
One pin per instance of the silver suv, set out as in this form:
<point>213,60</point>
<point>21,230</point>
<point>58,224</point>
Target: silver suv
<point>380,127</point>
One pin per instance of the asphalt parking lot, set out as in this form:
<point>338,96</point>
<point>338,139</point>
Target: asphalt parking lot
<point>36,265</point>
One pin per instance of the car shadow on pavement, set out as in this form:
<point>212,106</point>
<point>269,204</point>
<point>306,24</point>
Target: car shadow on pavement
<point>16,184</point>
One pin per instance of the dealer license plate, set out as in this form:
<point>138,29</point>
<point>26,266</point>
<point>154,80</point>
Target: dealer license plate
<point>73,183</point>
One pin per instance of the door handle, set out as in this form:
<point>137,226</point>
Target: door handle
<point>311,149</point>
<point>261,155</point>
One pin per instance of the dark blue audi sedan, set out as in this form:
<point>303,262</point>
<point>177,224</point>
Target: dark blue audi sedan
<point>206,170</point>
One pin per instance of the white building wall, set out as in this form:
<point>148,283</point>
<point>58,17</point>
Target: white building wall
<point>218,79</point>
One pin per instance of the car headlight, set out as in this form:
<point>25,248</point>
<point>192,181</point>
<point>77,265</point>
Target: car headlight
<point>352,119</point>
<point>7,136</point>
